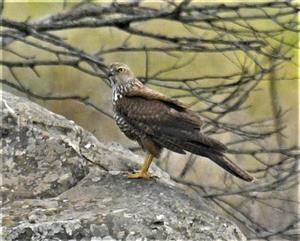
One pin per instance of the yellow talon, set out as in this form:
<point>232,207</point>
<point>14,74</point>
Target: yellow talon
<point>143,173</point>
<point>139,174</point>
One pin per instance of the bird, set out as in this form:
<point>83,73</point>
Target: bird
<point>157,121</point>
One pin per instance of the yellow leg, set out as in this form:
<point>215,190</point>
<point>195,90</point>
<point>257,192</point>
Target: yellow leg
<point>143,173</point>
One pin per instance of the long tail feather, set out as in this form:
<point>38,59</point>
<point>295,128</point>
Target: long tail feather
<point>220,159</point>
<point>224,162</point>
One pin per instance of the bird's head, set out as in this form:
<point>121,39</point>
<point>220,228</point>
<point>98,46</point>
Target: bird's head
<point>120,73</point>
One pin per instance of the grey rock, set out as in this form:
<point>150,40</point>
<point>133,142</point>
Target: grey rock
<point>61,183</point>
<point>38,151</point>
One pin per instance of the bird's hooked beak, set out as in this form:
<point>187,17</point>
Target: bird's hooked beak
<point>110,77</point>
<point>110,73</point>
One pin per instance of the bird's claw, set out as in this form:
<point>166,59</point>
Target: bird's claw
<point>139,174</point>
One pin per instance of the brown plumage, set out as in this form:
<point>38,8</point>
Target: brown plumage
<point>157,121</point>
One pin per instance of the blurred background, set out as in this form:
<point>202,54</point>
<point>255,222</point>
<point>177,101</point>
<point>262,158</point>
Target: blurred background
<point>235,63</point>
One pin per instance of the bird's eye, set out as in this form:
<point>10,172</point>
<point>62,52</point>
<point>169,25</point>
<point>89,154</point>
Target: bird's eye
<point>120,70</point>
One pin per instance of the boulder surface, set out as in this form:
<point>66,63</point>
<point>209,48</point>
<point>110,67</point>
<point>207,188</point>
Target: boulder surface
<point>60,183</point>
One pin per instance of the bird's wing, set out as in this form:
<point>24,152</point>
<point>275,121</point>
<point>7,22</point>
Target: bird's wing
<point>164,123</point>
<point>140,90</point>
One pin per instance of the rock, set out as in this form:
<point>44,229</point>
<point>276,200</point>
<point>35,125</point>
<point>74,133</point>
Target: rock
<point>61,183</point>
<point>39,158</point>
